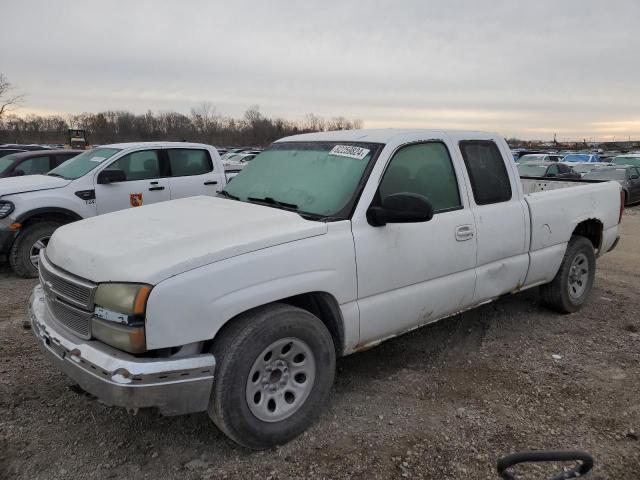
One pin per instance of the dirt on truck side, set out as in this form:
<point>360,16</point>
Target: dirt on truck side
<point>444,401</point>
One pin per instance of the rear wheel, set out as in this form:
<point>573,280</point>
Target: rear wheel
<point>25,251</point>
<point>571,286</point>
<point>275,370</point>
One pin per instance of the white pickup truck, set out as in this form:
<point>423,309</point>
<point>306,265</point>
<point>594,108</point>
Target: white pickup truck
<point>102,180</point>
<point>326,244</point>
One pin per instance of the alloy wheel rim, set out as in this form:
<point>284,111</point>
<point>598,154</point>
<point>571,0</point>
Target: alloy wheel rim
<point>34,252</point>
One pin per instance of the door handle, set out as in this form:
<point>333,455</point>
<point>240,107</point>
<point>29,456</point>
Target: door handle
<point>153,189</point>
<point>464,233</point>
<point>211,182</point>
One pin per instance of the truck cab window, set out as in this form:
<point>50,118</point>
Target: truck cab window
<point>489,178</point>
<point>425,169</point>
<point>185,162</point>
<point>142,165</point>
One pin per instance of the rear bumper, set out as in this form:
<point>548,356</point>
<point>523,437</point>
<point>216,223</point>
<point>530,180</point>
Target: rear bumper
<point>174,385</point>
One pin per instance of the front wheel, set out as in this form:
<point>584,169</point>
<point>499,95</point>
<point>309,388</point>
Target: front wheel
<point>571,286</point>
<point>25,251</point>
<point>275,370</point>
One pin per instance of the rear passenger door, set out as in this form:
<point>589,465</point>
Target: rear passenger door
<point>500,220</point>
<point>144,183</point>
<point>191,172</point>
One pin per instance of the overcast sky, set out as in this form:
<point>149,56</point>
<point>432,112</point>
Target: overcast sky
<point>523,68</point>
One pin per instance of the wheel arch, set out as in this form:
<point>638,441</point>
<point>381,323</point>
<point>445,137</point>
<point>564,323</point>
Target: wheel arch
<point>57,214</point>
<point>321,304</point>
<point>592,230</point>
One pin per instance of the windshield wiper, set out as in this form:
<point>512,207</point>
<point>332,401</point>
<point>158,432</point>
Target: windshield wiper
<point>269,201</point>
<point>55,175</point>
<point>226,194</point>
<point>292,207</point>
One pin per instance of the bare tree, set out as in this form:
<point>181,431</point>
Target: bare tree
<point>7,99</point>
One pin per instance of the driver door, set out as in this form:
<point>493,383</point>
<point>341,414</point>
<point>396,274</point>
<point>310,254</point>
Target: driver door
<point>143,184</point>
<point>410,274</point>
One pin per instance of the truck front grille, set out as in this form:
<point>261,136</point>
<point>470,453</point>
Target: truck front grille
<point>69,298</point>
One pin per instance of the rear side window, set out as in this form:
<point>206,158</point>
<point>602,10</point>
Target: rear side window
<point>186,161</point>
<point>425,169</point>
<point>33,166</point>
<point>489,178</point>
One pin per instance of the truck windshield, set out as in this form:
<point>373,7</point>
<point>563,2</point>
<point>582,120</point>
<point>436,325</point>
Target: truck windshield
<point>322,179</point>
<point>6,162</point>
<point>532,170</point>
<point>607,174</point>
<point>79,166</point>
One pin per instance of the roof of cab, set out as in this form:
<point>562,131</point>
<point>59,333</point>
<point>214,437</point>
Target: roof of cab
<point>375,135</point>
<point>155,144</point>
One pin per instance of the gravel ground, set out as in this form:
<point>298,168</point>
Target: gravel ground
<point>442,402</point>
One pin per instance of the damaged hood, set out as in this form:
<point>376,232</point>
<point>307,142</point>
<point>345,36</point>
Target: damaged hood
<point>151,243</point>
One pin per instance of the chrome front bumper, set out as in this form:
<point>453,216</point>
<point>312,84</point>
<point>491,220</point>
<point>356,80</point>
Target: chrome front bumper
<point>174,385</point>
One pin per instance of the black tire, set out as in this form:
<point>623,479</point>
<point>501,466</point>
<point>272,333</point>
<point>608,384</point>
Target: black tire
<point>626,202</point>
<point>239,345</point>
<point>20,253</point>
<point>558,294</point>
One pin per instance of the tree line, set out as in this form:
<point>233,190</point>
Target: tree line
<point>203,124</point>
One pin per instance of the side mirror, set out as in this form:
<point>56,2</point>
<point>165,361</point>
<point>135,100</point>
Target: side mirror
<point>17,173</point>
<point>401,208</point>
<point>634,177</point>
<point>111,176</point>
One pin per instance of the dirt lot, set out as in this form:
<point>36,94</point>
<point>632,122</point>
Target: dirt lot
<point>443,402</point>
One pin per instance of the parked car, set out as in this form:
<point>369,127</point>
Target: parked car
<point>540,157</point>
<point>8,151</point>
<point>36,162</point>
<point>546,170</point>
<point>627,159</point>
<point>584,168</point>
<point>626,175</point>
<point>102,180</point>
<point>246,156</point>
<point>19,146</point>
<point>534,157</point>
<point>326,244</point>
<point>581,157</point>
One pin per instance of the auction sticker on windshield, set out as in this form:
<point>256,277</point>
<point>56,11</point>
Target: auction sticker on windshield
<point>98,159</point>
<point>349,151</point>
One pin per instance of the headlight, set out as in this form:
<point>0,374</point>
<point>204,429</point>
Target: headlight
<point>5,208</point>
<point>119,315</point>
<point>128,299</point>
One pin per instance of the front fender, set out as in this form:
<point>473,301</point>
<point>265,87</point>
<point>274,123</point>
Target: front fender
<point>194,305</point>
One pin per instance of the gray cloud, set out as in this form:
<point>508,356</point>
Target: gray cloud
<point>520,67</point>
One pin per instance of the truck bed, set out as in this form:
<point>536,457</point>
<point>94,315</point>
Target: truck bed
<point>533,185</point>
<point>557,206</point>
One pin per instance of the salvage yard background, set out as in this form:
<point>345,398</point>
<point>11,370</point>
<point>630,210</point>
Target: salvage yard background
<point>442,402</point>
